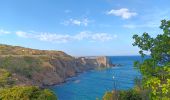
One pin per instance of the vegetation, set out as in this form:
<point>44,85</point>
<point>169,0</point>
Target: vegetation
<point>109,96</point>
<point>26,62</point>
<point>5,79</point>
<point>122,95</point>
<point>24,66</point>
<point>21,51</point>
<point>10,92</point>
<point>18,65</point>
<point>155,70</point>
<point>26,93</point>
<point>23,62</point>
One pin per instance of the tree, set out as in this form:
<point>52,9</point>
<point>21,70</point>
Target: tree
<point>156,68</point>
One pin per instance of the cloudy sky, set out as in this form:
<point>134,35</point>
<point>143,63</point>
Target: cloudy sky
<point>80,27</point>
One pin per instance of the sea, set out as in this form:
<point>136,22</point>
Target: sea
<point>93,84</point>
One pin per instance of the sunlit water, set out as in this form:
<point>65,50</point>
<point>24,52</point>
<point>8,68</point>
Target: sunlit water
<point>93,84</point>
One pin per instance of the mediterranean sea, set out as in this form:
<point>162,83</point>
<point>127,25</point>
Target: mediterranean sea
<point>93,84</point>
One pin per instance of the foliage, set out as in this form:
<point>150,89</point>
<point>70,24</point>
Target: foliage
<point>5,78</point>
<point>156,69</point>
<point>24,62</point>
<point>7,92</point>
<point>25,65</point>
<point>108,96</point>
<point>131,94</point>
<point>159,47</point>
<point>26,93</point>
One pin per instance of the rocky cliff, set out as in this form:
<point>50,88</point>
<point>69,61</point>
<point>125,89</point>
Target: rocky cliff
<point>96,61</point>
<point>42,67</point>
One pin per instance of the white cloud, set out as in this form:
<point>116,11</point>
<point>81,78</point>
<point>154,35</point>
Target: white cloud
<point>57,38</point>
<point>123,12</point>
<point>78,22</point>
<point>22,34</point>
<point>63,38</point>
<point>75,22</point>
<point>81,35</point>
<point>101,37</point>
<point>152,19</point>
<point>94,36</point>
<point>146,25</point>
<point>2,31</point>
<point>85,22</point>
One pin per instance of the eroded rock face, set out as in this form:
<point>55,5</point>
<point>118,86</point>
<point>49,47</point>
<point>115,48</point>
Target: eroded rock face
<point>103,61</point>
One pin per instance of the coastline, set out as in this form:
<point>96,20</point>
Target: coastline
<point>99,81</point>
<point>101,64</point>
<point>46,67</point>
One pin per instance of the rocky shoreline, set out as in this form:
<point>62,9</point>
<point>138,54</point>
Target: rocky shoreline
<point>56,70</point>
<point>46,67</point>
<point>86,64</point>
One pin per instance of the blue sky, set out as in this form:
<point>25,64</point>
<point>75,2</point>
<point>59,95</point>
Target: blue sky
<point>80,27</point>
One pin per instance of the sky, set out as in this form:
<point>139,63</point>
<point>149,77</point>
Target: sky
<point>80,27</point>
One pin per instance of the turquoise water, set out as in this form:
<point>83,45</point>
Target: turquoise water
<point>93,84</point>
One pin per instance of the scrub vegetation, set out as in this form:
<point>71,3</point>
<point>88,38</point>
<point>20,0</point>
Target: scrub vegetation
<point>9,91</point>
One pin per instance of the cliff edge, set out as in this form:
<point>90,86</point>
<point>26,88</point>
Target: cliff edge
<point>45,67</point>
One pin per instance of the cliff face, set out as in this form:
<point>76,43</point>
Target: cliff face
<point>104,61</point>
<point>58,70</point>
<point>40,67</point>
<point>96,61</point>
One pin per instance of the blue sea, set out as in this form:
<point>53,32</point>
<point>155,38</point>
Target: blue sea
<point>94,83</point>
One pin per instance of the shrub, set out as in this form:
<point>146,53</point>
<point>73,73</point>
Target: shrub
<point>26,93</point>
<point>5,78</point>
<point>25,66</point>
<point>122,95</point>
<point>129,95</point>
<point>108,96</point>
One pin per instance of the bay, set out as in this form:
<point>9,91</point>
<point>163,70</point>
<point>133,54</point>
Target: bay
<point>94,83</point>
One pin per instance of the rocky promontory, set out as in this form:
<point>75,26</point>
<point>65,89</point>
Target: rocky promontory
<point>45,67</point>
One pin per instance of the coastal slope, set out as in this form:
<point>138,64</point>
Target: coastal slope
<point>45,67</point>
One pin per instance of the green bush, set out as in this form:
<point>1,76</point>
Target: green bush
<point>129,95</point>
<point>122,95</point>
<point>5,78</point>
<point>108,96</point>
<point>26,93</point>
<point>7,92</point>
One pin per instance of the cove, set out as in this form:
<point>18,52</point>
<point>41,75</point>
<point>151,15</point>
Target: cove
<point>94,83</point>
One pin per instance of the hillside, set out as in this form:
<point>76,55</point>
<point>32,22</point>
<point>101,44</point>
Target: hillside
<point>17,50</point>
<point>44,67</point>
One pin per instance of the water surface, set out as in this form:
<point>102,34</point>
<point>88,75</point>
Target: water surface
<point>93,84</point>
